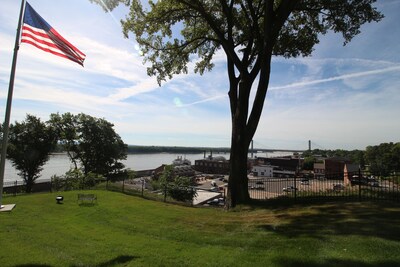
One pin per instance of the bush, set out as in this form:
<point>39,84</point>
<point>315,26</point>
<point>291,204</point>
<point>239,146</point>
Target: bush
<point>122,175</point>
<point>74,179</point>
<point>177,187</point>
<point>181,193</point>
<point>180,189</point>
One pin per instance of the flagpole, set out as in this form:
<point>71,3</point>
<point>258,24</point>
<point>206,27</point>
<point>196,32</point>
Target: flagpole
<point>6,124</point>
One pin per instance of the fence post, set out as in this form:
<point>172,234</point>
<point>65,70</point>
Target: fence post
<point>142,186</point>
<point>295,189</point>
<point>165,193</point>
<point>359,184</point>
<point>393,188</point>
<point>123,185</point>
<point>192,194</point>
<point>397,182</point>
<point>15,187</point>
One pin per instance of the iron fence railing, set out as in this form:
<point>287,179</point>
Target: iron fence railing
<point>19,186</point>
<point>140,188</point>
<point>351,186</point>
<point>356,185</point>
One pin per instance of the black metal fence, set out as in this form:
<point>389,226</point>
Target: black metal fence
<point>352,186</point>
<point>53,184</point>
<point>19,187</point>
<point>142,188</point>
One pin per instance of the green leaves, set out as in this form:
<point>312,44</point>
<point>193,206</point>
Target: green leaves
<point>91,141</point>
<point>170,31</point>
<point>383,159</point>
<point>30,144</point>
<point>173,33</point>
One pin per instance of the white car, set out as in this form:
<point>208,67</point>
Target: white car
<point>305,182</point>
<point>289,189</point>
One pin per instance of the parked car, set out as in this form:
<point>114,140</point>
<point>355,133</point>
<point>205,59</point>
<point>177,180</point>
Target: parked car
<point>305,182</point>
<point>375,184</point>
<point>358,181</point>
<point>289,189</point>
<point>338,187</point>
<point>213,202</point>
<point>214,189</point>
<point>259,186</point>
<point>216,202</point>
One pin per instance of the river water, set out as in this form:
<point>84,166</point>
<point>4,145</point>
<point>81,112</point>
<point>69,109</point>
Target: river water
<point>59,164</point>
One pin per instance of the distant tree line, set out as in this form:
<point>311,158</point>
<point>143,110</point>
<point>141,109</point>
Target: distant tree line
<point>313,156</point>
<point>383,159</point>
<point>91,143</point>
<point>133,149</point>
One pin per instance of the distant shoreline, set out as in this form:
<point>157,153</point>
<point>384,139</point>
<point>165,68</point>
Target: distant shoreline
<point>132,149</point>
<point>136,149</point>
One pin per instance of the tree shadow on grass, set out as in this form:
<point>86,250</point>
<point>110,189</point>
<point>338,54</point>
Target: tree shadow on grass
<point>285,262</point>
<point>123,259</point>
<point>87,205</point>
<point>363,219</point>
<point>118,260</point>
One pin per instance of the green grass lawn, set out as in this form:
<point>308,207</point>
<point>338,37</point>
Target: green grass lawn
<point>122,230</point>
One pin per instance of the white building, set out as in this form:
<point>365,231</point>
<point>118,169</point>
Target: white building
<point>263,171</point>
<point>271,171</point>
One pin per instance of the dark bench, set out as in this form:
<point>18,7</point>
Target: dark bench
<point>87,197</point>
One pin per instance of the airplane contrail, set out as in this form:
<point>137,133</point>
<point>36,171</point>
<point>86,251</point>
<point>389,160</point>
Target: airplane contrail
<point>306,83</point>
<point>336,78</point>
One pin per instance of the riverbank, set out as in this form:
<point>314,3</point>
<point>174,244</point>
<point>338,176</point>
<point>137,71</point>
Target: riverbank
<point>59,163</point>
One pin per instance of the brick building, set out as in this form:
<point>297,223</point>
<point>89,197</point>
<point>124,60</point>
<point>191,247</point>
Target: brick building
<point>215,165</point>
<point>330,168</point>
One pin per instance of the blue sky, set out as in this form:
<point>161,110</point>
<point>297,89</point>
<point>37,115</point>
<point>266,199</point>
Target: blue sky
<point>342,97</point>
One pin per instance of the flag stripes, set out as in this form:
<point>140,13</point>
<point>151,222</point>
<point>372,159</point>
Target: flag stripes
<point>37,32</point>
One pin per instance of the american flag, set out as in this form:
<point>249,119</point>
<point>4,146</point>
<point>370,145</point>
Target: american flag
<point>36,31</point>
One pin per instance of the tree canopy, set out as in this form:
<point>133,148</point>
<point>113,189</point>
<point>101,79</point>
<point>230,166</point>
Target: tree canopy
<point>173,33</point>
<point>90,141</point>
<point>383,159</point>
<point>247,31</point>
<point>29,146</point>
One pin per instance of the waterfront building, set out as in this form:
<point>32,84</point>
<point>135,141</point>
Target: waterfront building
<point>330,168</point>
<point>263,171</point>
<point>214,165</point>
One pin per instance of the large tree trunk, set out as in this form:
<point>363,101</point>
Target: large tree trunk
<point>238,182</point>
<point>244,126</point>
<point>29,181</point>
<point>238,192</point>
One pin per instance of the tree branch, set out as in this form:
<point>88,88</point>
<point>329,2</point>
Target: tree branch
<point>228,47</point>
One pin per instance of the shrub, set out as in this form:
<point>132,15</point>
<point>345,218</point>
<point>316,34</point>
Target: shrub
<point>74,179</point>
